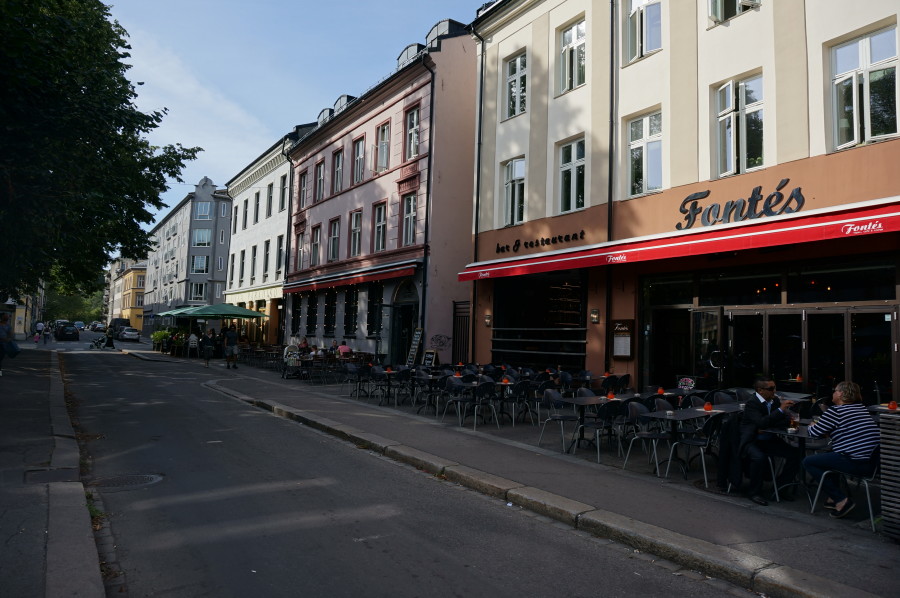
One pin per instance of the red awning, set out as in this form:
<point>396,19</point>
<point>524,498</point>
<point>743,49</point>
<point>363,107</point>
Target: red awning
<point>766,233</point>
<point>343,281</point>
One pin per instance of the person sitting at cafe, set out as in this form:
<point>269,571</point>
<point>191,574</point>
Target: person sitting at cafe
<point>763,411</point>
<point>854,438</point>
<point>314,351</point>
<point>303,345</point>
<point>343,349</point>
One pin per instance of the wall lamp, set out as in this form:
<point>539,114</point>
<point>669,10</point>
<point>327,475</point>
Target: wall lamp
<point>595,316</point>
<point>487,320</point>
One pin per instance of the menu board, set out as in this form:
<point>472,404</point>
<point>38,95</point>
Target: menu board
<point>414,347</point>
<point>430,359</point>
<point>623,338</point>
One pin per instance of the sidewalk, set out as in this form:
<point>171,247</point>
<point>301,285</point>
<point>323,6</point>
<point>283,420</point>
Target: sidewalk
<point>780,550</point>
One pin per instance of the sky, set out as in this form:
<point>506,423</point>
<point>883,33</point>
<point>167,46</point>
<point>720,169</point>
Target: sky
<point>236,75</point>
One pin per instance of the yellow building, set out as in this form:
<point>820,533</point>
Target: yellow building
<point>132,306</point>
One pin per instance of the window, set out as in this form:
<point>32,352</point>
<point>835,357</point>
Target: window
<point>298,254</point>
<point>265,264</point>
<point>351,310</point>
<point>234,224</point>
<point>359,160</point>
<point>199,264</point>
<point>571,175</point>
<point>225,210</point>
<point>409,219</point>
<point>382,151</point>
<point>722,10</point>
<point>645,148</point>
<point>514,210</point>
<point>139,300</point>
<point>140,281</point>
<point>243,258</point>
<point>516,84</point>
<point>330,315</point>
<point>865,88</point>
<point>334,239</point>
<point>739,126</point>
<point>279,254</point>
<point>337,171</point>
<point>380,226</point>
<point>256,207</point>
<point>202,210</point>
<point>412,134</point>
<point>222,236</point>
<point>374,313</point>
<point>319,193</point>
<point>246,211</point>
<point>218,290</point>
<point>253,264</point>
<point>282,196</point>
<point>312,314</point>
<point>355,233</point>
<point>270,196</point>
<point>644,28</point>
<point>202,237</point>
<point>220,263</point>
<point>231,273</point>
<point>198,291</point>
<point>572,63</point>
<point>302,187</point>
<point>314,246</point>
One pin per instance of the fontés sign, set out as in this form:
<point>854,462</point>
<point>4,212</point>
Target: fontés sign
<point>738,210</point>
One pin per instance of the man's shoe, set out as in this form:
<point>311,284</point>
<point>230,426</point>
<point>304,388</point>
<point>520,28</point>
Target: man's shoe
<point>759,500</point>
<point>848,506</point>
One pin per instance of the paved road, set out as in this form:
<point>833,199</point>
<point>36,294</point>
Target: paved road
<point>254,505</point>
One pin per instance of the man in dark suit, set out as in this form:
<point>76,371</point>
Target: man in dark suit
<point>764,411</point>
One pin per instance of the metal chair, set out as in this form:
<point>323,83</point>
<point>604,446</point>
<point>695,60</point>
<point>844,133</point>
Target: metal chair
<point>553,400</point>
<point>704,440</point>
<point>875,459</point>
<point>642,432</point>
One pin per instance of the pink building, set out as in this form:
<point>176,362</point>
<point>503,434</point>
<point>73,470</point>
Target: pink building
<point>382,208</point>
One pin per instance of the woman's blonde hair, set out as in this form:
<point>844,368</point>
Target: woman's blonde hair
<point>850,392</point>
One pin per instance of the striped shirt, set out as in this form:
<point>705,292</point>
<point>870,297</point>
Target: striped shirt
<point>852,430</point>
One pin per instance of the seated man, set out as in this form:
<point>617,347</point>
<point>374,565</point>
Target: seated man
<point>763,411</point>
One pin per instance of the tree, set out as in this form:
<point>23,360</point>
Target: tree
<point>77,174</point>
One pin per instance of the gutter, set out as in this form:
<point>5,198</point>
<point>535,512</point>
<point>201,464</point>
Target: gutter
<point>611,164</point>
<point>425,62</point>
<point>479,133</point>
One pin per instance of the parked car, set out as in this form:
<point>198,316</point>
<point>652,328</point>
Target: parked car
<point>99,327</point>
<point>79,325</point>
<point>130,334</point>
<point>67,332</point>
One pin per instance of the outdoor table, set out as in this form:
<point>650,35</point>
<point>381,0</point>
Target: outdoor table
<point>801,434</point>
<point>431,379</point>
<point>580,404</point>
<point>677,416</point>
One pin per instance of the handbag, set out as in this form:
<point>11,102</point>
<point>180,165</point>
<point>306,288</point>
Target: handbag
<point>12,348</point>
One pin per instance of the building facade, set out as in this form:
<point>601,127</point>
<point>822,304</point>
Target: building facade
<point>739,215</point>
<point>133,284</point>
<point>259,238</point>
<point>187,266</point>
<point>382,207</point>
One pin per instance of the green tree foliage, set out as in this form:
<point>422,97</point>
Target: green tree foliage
<point>77,174</point>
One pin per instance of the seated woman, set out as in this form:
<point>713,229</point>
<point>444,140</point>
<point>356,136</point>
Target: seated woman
<point>303,345</point>
<point>854,437</point>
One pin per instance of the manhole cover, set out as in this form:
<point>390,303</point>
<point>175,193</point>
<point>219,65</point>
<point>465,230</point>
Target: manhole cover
<point>125,482</point>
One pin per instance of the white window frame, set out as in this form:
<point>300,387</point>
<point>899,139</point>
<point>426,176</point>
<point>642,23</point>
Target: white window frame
<point>319,192</point>
<point>298,254</point>
<point>514,196</point>
<point>283,193</point>
<point>359,160</point>
<point>573,51</point>
<point>859,81</point>
<point>225,209</point>
<point>572,168</point>
<point>231,272</point>
<point>242,267</point>
<point>644,29</point>
<point>337,172</point>
<point>409,219</point>
<point>202,237</point>
<point>356,233</point>
<point>720,11</point>
<point>411,120</point>
<point>199,264</point>
<point>731,127</point>
<point>304,176</point>
<point>516,70</point>
<point>383,147</point>
<point>270,199</point>
<point>267,248</point>
<point>222,237</point>
<point>334,240</point>
<point>645,139</point>
<point>198,291</point>
<point>279,255</point>
<point>202,210</point>
<point>220,263</point>
<point>253,256</point>
<point>379,220</point>
<point>256,207</point>
<point>314,242</point>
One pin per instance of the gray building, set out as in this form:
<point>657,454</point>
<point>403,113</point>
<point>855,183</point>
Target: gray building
<point>187,266</point>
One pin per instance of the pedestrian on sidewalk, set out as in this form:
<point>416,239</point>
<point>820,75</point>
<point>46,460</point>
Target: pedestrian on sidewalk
<point>46,333</point>
<point>109,338</point>
<point>231,348</point>
<point>38,332</point>
<point>854,438</point>
<point>208,345</point>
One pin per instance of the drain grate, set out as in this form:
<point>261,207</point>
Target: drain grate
<point>125,482</point>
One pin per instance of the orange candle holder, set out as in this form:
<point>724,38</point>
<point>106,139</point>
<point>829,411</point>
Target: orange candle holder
<point>707,406</point>
<point>660,391</point>
<point>892,405</point>
<point>610,395</point>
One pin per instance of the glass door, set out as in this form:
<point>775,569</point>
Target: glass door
<point>826,358</point>
<point>785,350</point>
<point>745,349</point>
<point>871,350</point>
<point>708,346</point>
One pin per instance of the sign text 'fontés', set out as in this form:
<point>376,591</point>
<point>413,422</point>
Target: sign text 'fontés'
<point>738,210</point>
<point>541,242</point>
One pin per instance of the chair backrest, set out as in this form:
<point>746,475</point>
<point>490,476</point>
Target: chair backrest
<point>723,397</point>
<point>697,400</point>
<point>520,389</point>
<point>622,383</point>
<point>552,397</point>
<point>663,405</point>
<point>565,379</point>
<point>712,426</point>
<point>609,383</point>
<point>584,391</point>
<point>635,410</point>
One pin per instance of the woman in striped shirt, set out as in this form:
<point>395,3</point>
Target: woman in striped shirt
<point>854,437</point>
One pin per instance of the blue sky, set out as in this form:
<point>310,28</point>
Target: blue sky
<point>236,75</point>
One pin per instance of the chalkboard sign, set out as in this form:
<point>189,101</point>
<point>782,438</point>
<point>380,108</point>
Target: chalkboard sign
<point>414,348</point>
<point>430,359</point>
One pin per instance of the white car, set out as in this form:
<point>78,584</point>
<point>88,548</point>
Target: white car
<point>130,334</point>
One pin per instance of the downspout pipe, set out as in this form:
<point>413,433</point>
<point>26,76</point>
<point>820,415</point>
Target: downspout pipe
<point>427,63</point>
<point>479,133</point>
<point>287,239</point>
<point>611,167</point>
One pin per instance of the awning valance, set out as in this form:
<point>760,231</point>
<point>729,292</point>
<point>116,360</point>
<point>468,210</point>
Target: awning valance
<point>356,277</point>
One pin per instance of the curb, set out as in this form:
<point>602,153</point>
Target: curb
<point>741,568</point>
